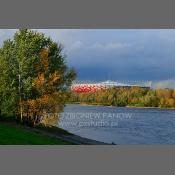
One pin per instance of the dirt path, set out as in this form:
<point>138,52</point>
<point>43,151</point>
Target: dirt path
<point>70,138</point>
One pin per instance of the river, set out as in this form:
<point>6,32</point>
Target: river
<point>120,125</point>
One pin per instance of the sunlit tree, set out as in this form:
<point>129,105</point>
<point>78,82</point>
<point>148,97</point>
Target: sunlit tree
<point>33,69</point>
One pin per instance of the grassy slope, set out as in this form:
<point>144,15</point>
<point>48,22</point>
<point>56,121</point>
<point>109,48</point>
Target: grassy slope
<point>17,135</point>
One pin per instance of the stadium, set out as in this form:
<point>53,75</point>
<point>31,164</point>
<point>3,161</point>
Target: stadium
<point>94,87</point>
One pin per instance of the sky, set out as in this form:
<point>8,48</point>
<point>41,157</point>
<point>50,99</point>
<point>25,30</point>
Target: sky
<point>116,54</point>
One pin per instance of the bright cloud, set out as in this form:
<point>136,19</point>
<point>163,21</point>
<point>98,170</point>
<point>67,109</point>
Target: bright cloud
<point>110,46</point>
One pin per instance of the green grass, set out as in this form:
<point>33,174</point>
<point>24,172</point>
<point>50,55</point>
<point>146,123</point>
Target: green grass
<point>18,135</point>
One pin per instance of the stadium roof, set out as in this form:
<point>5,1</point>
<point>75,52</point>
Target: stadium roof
<point>113,83</point>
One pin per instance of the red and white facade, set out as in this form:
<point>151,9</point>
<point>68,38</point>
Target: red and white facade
<point>87,87</point>
<point>94,87</point>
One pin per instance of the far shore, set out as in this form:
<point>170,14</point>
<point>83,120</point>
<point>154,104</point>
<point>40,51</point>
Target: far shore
<point>143,107</point>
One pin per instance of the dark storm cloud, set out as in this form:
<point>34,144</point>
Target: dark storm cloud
<point>154,59</point>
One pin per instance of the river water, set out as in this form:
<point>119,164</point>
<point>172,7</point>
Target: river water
<point>120,125</point>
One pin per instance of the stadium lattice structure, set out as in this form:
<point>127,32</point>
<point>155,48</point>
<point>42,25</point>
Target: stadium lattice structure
<point>94,87</point>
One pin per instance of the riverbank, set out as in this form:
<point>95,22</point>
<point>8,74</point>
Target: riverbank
<point>90,104</point>
<point>144,107</point>
<point>54,132</point>
<point>15,134</point>
<point>128,106</point>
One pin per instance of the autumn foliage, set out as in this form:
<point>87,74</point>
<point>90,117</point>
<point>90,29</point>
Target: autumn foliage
<point>135,96</point>
<point>48,100</point>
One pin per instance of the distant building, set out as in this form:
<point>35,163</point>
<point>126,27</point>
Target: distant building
<point>94,87</point>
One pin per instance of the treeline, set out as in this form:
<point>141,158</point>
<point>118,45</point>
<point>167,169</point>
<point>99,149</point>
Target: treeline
<point>135,96</point>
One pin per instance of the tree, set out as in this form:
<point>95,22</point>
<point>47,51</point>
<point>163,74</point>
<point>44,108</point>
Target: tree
<point>170,102</point>
<point>23,62</point>
<point>49,98</point>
